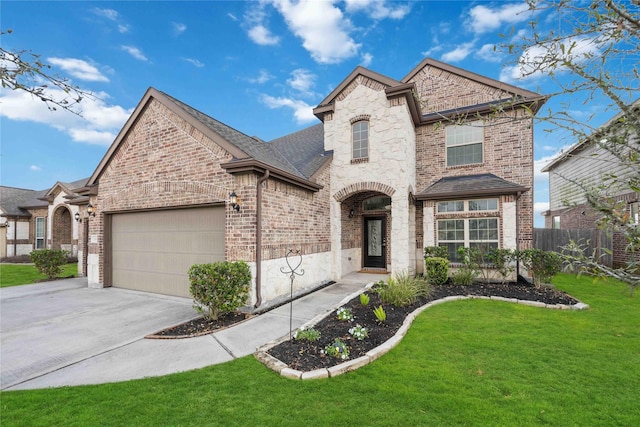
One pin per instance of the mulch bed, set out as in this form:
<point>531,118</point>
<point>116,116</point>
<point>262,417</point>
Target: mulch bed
<point>200,326</point>
<point>307,356</point>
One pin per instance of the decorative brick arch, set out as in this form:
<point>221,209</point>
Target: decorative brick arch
<point>359,187</point>
<point>149,188</point>
<point>61,227</point>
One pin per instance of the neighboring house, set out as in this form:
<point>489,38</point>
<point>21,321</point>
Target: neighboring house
<point>42,219</point>
<point>384,174</point>
<point>586,165</point>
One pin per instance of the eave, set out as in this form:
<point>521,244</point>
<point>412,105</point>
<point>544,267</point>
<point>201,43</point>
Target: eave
<point>255,166</point>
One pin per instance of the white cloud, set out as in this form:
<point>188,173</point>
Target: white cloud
<point>194,62</point>
<point>377,9</point>
<point>262,36</point>
<point>302,111</point>
<point>459,53</point>
<point>367,58</point>
<point>135,52</point>
<point>232,16</point>
<point>123,28</point>
<point>322,27</point>
<point>483,19</point>
<point>539,207</point>
<point>99,123</point>
<point>262,77</point>
<point>302,80</point>
<point>487,53</point>
<point>538,60</point>
<point>35,168</point>
<point>110,14</point>
<point>178,28</point>
<point>79,69</point>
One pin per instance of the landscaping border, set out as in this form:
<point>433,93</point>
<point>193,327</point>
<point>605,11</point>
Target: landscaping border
<point>283,369</point>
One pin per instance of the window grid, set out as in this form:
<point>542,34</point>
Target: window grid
<point>480,233</point>
<point>40,231</point>
<point>474,205</point>
<point>360,136</point>
<point>464,144</point>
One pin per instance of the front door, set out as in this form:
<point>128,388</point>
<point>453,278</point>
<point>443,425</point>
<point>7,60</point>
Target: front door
<point>375,242</point>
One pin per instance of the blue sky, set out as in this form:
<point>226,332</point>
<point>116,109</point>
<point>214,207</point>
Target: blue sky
<point>258,66</point>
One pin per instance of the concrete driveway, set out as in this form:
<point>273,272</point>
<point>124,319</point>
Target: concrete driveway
<point>50,326</point>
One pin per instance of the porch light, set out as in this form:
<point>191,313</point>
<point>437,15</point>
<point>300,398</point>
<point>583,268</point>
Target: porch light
<point>90,210</point>
<point>351,213</point>
<point>233,201</point>
<point>77,217</point>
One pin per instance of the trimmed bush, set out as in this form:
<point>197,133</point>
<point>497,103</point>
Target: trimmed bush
<point>436,252</point>
<point>436,270</point>
<point>49,261</point>
<point>219,288</point>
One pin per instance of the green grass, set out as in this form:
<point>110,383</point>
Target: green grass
<point>471,362</point>
<point>24,274</point>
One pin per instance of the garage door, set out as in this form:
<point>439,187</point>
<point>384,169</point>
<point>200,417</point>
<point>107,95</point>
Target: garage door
<point>152,251</point>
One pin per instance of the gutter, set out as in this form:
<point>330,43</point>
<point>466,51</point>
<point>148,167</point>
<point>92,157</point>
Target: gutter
<point>259,238</point>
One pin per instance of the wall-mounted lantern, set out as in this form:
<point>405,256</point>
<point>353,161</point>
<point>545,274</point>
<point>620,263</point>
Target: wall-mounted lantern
<point>90,210</point>
<point>77,217</point>
<point>351,213</point>
<point>233,201</point>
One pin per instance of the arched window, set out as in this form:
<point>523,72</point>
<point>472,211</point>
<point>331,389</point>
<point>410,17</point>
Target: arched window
<point>360,139</point>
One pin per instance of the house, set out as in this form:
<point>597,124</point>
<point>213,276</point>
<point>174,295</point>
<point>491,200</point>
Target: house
<point>442,157</point>
<point>586,165</point>
<point>32,219</point>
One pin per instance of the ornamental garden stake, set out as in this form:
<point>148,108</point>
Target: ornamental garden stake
<point>292,272</point>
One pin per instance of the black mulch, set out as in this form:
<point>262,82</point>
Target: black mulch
<point>307,356</point>
<point>200,326</point>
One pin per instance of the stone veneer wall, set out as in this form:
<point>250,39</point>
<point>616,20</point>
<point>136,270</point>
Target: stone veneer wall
<point>389,169</point>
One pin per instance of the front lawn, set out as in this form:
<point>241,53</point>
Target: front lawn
<point>470,362</point>
<point>23,274</point>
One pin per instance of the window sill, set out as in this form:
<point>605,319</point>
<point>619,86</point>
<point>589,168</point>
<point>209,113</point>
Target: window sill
<point>360,160</point>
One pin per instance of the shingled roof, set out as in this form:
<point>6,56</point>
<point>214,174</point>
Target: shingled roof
<point>469,186</point>
<point>15,201</point>
<point>304,149</point>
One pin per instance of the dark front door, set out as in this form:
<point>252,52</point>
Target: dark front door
<point>375,243</point>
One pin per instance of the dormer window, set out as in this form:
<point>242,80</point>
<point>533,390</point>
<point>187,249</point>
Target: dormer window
<point>360,139</point>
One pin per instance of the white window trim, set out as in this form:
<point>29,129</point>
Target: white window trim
<point>466,206</point>
<point>44,232</point>
<point>474,124</point>
<point>467,240</point>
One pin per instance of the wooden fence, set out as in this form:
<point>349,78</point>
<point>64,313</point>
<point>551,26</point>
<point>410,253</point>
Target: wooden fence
<point>549,239</point>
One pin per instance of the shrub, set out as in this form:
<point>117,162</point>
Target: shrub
<point>436,252</point>
<point>309,334</point>
<point>470,270</point>
<point>463,276</point>
<point>219,288</point>
<point>49,261</point>
<point>364,299</point>
<point>436,270</point>
<point>502,261</point>
<point>540,264</point>
<point>403,289</point>
<point>380,314</point>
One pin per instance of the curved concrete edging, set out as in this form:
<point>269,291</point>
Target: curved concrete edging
<point>375,353</point>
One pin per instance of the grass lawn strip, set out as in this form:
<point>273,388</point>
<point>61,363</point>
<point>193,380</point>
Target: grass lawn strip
<point>25,274</point>
<point>471,362</point>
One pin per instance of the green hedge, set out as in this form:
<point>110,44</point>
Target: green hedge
<point>219,288</point>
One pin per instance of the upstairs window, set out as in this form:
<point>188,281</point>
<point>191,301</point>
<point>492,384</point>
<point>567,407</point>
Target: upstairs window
<point>360,139</point>
<point>464,144</point>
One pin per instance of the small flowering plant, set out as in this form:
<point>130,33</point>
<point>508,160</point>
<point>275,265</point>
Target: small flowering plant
<point>359,332</point>
<point>338,349</point>
<point>344,314</point>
